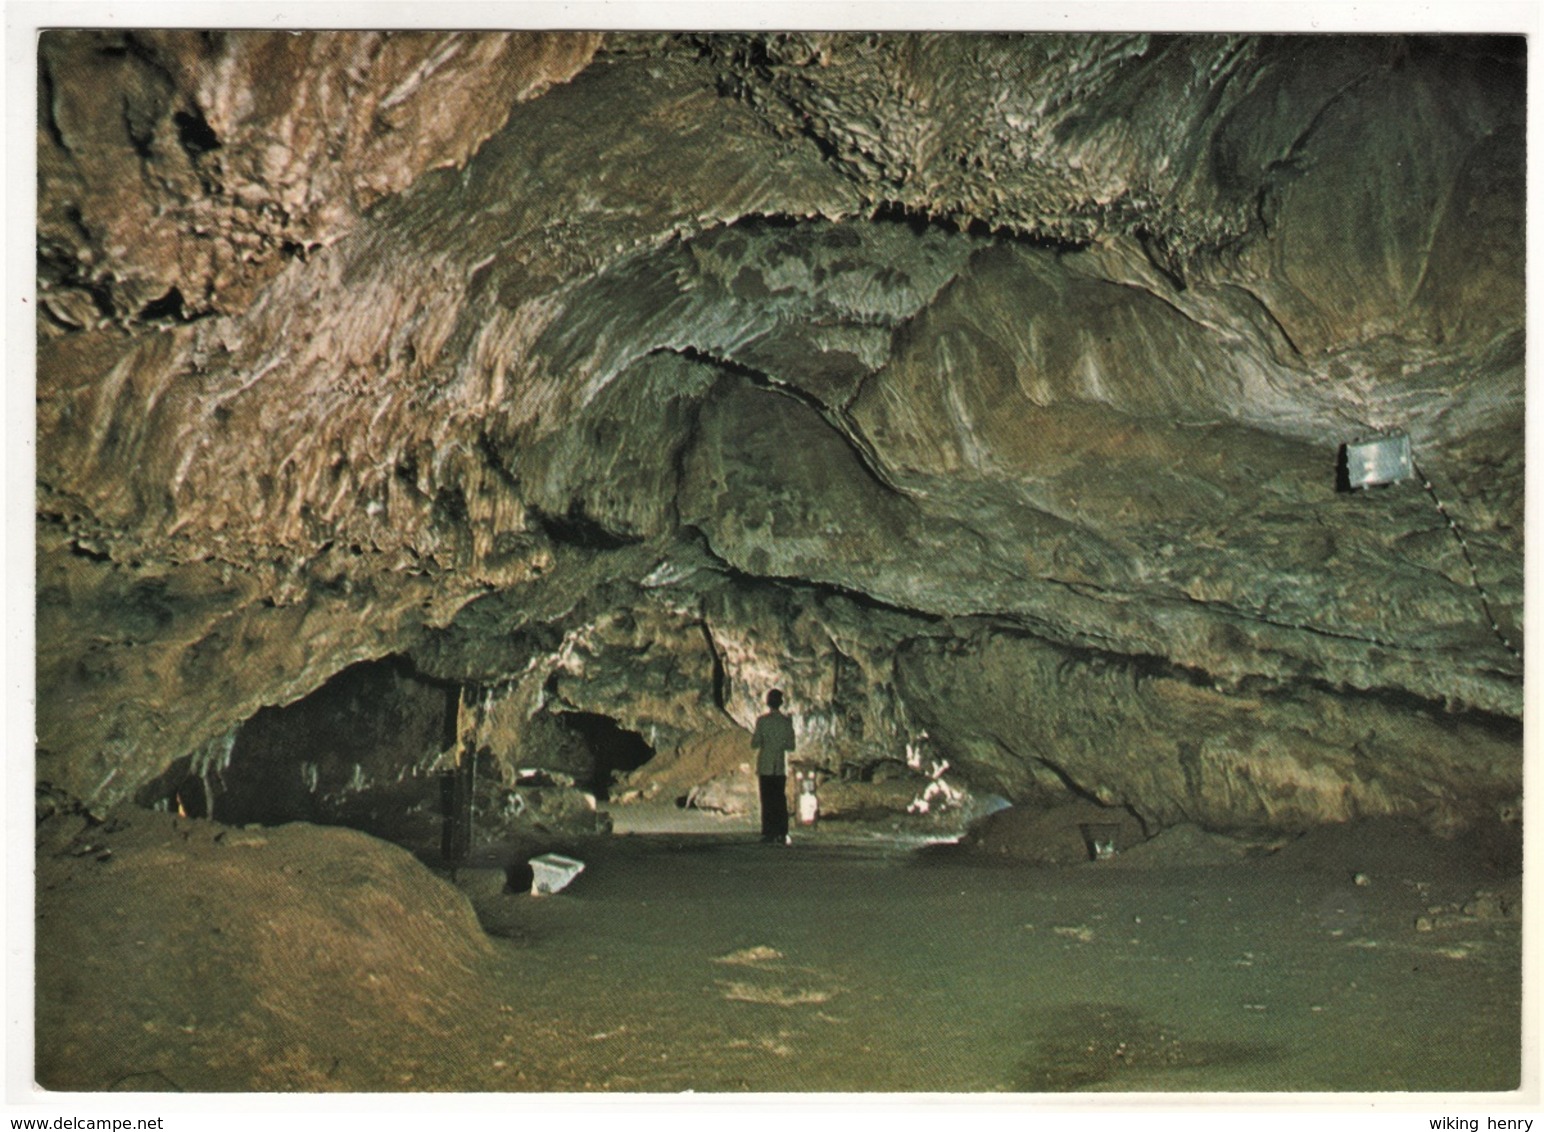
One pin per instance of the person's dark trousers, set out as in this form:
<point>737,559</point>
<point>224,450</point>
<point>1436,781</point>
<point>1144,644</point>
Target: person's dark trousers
<point>774,807</point>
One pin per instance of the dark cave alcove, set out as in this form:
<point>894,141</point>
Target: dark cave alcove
<point>612,748</point>
<point>359,751</point>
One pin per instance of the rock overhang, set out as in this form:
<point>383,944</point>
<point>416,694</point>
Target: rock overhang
<point>1056,348</point>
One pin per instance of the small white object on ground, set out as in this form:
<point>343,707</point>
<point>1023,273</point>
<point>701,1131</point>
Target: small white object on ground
<point>552,872</point>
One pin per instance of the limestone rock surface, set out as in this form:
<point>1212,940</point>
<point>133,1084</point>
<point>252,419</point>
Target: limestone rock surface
<point>981,387</point>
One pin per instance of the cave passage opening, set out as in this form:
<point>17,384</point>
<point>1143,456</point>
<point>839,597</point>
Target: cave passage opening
<point>613,749</point>
<point>360,751</point>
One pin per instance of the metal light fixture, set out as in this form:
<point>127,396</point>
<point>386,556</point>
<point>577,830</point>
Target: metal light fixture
<point>1378,460</point>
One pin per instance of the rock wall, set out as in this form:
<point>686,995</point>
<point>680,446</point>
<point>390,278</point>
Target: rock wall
<point>635,375</point>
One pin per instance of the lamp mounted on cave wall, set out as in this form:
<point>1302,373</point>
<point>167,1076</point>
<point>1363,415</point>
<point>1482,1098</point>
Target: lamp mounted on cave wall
<point>1385,458</point>
<point>1374,461</point>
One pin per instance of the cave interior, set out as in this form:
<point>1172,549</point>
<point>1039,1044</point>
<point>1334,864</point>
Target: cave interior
<point>446,440</point>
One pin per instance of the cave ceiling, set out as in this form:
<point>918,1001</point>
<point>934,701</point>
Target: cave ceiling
<point>988,385</point>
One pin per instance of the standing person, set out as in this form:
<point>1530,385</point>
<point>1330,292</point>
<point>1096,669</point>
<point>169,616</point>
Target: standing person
<point>773,738</point>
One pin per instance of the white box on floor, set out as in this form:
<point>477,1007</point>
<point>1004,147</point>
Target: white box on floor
<point>551,872</point>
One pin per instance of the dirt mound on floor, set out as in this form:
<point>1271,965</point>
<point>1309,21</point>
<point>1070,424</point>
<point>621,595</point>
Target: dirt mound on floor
<point>1398,848</point>
<point>1186,845</point>
<point>1059,835</point>
<point>179,954</point>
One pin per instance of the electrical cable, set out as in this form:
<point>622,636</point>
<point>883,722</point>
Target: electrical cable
<point>1474,574</point>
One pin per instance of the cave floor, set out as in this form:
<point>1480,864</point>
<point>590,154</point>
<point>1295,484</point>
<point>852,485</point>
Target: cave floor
<point>181,954</point>
<point>841,963</point>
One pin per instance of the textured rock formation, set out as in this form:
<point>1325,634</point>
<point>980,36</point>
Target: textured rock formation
<point>217,157</point>
<point>987,386</point>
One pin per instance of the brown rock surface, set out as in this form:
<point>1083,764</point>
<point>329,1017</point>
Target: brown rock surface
<point>230,153</point>
<point>986,386</point>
